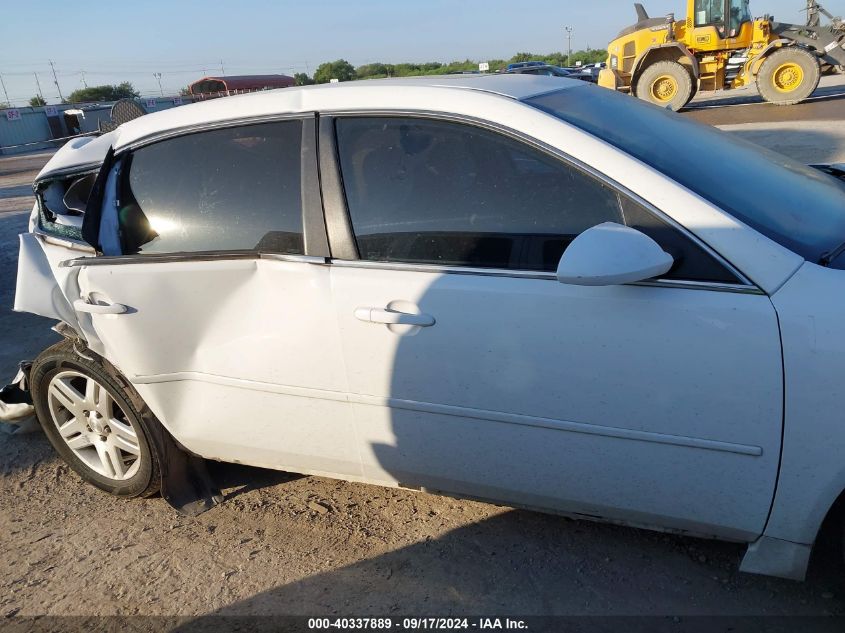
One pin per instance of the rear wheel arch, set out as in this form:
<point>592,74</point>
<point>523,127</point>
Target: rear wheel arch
<point>64,356</point>
<point>180,476</point>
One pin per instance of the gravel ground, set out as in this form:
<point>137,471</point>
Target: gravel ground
<point>283,544</point>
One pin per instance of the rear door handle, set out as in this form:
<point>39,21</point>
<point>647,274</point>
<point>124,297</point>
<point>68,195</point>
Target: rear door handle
<point>391,317</point>
<point>80,305</point>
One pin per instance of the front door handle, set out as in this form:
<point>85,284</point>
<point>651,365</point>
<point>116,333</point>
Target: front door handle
<point>391,317</point>
<point>80,305</point>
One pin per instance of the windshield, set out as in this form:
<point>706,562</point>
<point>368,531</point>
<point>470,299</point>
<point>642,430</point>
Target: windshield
<point>797,206</point>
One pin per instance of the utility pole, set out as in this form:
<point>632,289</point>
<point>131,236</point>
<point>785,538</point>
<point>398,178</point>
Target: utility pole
<point>38,83</point>
<point>3,83</point>
<point>569,30</point>
<point>84,83</point>
<point>158,78</point>
<point>56,81</point>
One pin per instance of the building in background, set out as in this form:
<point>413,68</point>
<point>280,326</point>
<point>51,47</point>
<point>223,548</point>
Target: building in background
<point>208,87</point>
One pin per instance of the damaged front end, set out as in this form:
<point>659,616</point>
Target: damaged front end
<point>47,286</point>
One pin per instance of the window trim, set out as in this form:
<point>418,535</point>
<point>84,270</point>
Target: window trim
<point>208,126</point>
<point>533,274</point>
<point>203,256</point>
<point>119,260</point>
<point>327,125</point>
<point>315,239</point>
<point>338,224</point>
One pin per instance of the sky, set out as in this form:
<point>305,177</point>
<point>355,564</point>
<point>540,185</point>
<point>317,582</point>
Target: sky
<point>98,42</point>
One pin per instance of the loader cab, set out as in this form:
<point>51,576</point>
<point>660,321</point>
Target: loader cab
<point>719,24</point>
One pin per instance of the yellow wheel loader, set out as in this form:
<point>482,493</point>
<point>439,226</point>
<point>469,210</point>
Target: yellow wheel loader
<point>719,46</point>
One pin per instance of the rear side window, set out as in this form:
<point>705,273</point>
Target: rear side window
<point>229,189</point>
<point>437,192</point>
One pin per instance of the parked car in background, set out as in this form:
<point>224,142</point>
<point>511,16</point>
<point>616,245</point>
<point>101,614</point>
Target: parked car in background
<point>486,285</point>
<point>586,73</point>
<point>545,70</point>
<point>524,64</point>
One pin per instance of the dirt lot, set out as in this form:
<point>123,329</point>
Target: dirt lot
<point>282,544</point>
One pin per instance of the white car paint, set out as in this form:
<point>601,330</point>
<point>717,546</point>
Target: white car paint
<point>594,400</point>
<point>611,254</point>
<point>658,406</point>
<point>263,381</point>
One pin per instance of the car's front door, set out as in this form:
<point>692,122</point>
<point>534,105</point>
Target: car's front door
<point>210,303</point>
<point>474,371</point>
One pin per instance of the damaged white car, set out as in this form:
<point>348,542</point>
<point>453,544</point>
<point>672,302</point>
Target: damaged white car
<point>514,288</point>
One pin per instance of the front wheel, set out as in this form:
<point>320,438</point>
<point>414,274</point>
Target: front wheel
<point>788,76</point>
<point>667,84</point>
<point>88,416</point>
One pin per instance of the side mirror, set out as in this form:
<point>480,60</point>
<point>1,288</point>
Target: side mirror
<point>610,254</point>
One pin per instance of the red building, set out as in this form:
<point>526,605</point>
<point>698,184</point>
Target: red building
<point>237,84</point>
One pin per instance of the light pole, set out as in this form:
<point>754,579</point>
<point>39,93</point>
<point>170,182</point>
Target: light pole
<point>568,30</point>
<point>158,78</point>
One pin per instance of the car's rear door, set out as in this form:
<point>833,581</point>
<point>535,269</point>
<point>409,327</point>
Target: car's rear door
<point>217,306</point>
<point>474,371</point>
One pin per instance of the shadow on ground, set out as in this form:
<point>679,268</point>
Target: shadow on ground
<point>236,480</point>
<point>526,563</point>
<point>825,105</point>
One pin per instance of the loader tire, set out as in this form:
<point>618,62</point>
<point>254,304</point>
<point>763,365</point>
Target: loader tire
<point>788,76</point>
<point>667,84</point>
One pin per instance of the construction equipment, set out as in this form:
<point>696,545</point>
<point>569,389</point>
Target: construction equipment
<point>719,46</point>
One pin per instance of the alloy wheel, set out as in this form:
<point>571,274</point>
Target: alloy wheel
<point>93,425</point>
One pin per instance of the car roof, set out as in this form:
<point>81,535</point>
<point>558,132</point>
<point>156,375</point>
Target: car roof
<point>435,93</point>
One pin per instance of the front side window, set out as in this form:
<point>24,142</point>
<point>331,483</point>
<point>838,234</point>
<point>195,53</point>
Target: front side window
<point>228,189</point>
<point>437,192</point>
<point>709,12</point>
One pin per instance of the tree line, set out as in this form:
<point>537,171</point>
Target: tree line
<point>342,70</point>
<point>88,94</point>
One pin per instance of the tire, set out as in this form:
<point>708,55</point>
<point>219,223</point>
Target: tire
<point>788,76</point>
<point>105,436</point>
<point>667,84</point>
<point>694,91</point>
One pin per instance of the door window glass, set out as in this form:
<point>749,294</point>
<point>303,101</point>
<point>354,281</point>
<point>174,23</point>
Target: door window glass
<point>228,189</point>
<point>436,192</point>
<point>740,13</point>
<point>445,193</point>
<point>709,12</point>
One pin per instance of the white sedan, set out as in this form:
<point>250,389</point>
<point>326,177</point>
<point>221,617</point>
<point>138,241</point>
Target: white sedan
<point>521,289</point>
